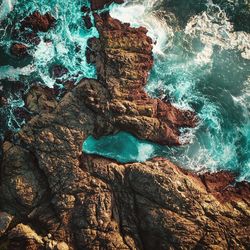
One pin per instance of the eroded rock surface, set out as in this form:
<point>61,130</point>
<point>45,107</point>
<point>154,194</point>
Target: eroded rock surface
<point>123,58</point>
<point>60,198</point>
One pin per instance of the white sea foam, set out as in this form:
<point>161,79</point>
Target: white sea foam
<point>179,73</point>
<point>145,151</point>
<point>11,73</point>
<point>214,28</point>
<point>6,7</point>
<point>142,15</point>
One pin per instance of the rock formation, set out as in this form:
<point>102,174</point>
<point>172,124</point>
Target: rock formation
<point>38,22</point>
<point>123,58</point>
<point>52,196</point>
<point>18,49</point>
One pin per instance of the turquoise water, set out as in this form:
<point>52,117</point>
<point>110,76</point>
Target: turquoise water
<point>64,45</point>
<point>205,68</point>
<point>58,46</point>
<point>122,146</point>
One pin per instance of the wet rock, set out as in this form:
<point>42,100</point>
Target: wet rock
<point>87,21</point>
<point>32,38</point>
<point>18,49</point>
<point>85,9</point>
<point>38,22</point>
<point>22,113</point>
<point>3,101</point>
<point>40,99</point>
<point>58,71</point>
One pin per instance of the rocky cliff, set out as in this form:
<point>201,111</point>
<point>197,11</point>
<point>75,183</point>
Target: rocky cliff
<point>55,197</point>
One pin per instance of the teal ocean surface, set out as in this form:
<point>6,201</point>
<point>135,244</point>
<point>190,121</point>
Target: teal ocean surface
<point>203,66</point>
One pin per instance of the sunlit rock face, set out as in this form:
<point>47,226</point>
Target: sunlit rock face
<point>120,96</point>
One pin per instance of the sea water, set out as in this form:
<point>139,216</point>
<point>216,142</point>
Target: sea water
<point>204,67</point>
<point>64,45</point>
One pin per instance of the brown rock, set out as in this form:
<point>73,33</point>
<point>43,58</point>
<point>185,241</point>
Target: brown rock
<point>38,22</point>
<point>58,71</point>
<point>23,237</point>
<point>3,101</point>
<point>5,220</point>
<point>85,9</point>
<point>87,21</point>
<point>98,203</point>
<point>123,58</point>
<point>217,182</point>
<point>22,181</point>
<point>18,49</point>
<point>40,99</point>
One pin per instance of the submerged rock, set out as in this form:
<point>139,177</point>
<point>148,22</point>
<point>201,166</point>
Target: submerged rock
<point>18,49</point>
<point>58,71</point>
<point>38,22</point>
<point>87,21</point>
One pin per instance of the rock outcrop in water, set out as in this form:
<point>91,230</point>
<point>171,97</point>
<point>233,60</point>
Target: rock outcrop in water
<point>54,197</point>
<point>123,58</point>
<point>38,22</point>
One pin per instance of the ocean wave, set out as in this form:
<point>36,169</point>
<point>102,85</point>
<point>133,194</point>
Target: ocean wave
<point>204,67</point>
<point>6,7</point>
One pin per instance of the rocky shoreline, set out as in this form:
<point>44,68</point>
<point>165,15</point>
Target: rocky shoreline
<point>55,197</point>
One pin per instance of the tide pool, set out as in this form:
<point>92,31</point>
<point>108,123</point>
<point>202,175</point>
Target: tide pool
<point>122,146</point>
